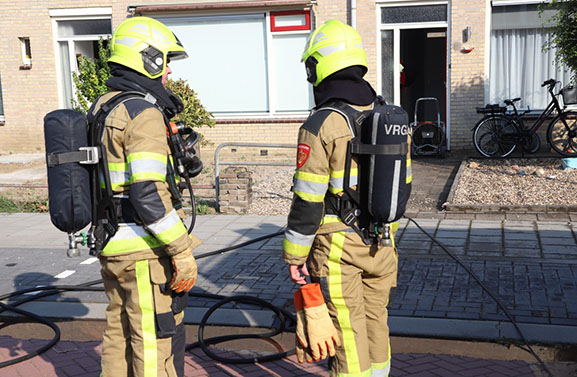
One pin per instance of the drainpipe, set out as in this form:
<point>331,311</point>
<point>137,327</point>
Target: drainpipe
<point>354,14</point>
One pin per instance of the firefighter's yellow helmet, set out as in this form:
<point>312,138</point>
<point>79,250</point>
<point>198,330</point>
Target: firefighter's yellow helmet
<point>144,45</point>
<point>330,48</point>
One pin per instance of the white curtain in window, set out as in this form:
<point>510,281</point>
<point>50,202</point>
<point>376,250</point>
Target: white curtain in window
<point>519,65</point>
<point>227,66</point>
<point>66,73</point>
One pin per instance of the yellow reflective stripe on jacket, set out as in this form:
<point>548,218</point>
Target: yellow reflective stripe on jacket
<point>147,309</point>
<point>142,166</point>
<point>336,182</point>
<point>310,187</point>
<point>168,229</point>
<point>118,173</point>
<point>297,244</point>
<point>145,166</point>
<point>409,171</point>
<point>315,189</point>
<point>336,294</point>
<point>328,219</point>
<point>128,238</point>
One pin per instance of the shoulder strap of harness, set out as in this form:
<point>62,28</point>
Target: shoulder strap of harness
<point>354,117</point>
<point>104,211</point>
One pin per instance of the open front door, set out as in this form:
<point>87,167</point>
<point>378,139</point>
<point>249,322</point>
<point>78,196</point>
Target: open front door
<point>423,59</point>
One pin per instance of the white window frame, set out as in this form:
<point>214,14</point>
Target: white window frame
<point>74,14</point>
<point>396,28</point>
<point>24,45</point>
<point>271,64</point>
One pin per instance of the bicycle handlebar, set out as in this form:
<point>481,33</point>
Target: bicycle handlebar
<point>549,82</point>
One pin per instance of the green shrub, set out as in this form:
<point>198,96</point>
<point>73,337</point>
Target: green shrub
<point>564,32</point>
<point>90,82</point>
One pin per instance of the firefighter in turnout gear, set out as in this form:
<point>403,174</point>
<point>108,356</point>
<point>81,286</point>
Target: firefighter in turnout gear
<point>354,278</point>
<point>147,266</point>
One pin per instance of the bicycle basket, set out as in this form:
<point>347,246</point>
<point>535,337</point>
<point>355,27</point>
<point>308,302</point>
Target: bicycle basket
<point>569,94</point>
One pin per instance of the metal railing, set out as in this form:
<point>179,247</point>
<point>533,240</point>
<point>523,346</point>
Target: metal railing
<point>217,161</point>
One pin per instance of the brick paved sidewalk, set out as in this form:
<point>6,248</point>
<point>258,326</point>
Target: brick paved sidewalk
<point>82,359</point>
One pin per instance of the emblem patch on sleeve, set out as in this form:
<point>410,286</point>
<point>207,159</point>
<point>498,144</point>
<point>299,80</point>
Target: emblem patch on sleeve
<point>303,151</point>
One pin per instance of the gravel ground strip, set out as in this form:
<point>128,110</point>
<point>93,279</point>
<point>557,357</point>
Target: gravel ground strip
<point>529,181</point>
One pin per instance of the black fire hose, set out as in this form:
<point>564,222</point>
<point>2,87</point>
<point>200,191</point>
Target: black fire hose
<point>282,314</point>
<point>287,320</point>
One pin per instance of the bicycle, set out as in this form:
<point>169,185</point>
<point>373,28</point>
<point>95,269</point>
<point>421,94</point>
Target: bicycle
<point>499,132</point>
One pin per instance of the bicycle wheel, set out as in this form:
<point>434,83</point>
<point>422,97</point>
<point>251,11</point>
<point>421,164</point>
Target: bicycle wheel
<point>495,136</point>
<point>562,134</point>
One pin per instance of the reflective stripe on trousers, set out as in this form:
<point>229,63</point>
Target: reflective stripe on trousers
<point>356,280</point>
<point>131,344</point>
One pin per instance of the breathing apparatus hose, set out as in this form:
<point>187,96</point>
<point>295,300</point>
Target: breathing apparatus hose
<point>286,319</point>
<point>192,205</point>
<point>490,293</point>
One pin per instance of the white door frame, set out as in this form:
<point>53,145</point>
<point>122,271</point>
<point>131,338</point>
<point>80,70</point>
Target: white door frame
<point>396,29</point>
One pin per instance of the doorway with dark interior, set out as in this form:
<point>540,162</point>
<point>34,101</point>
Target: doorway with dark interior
<point>423,55</point>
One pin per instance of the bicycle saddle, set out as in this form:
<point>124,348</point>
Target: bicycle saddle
<point>510,102</point>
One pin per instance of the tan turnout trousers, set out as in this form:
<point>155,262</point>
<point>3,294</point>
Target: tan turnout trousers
<point>142,328</point>
<point>356,280</point>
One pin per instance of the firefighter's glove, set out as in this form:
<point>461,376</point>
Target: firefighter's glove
<point>301,345</point>
<point>184,272</point>
<point>323,337</point>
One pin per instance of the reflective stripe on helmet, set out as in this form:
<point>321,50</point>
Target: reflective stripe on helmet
<point>144,45</point>
<point>330,48</point>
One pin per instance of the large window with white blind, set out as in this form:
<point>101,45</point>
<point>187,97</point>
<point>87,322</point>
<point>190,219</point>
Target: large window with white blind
<point>245,64</point>
<point>519,63</point>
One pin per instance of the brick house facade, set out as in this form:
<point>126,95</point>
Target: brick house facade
<point>29,91</point>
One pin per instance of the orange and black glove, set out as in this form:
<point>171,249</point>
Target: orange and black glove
<point>301,344</point>
<point>185,272</point>
<point>323,337</point>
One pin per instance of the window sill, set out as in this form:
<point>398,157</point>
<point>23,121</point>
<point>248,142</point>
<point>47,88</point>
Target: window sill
<point>259,120</point>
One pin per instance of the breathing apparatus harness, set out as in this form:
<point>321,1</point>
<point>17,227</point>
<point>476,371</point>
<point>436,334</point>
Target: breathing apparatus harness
<point>379,144</point>
<point>106,210</point>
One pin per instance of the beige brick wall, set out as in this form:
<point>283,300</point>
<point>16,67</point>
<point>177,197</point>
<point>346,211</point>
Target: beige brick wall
<point>365,25</point>
<point>29,94</point>
<point>467,70</point>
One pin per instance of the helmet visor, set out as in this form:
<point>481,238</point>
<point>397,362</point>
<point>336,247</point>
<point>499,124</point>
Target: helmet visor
<point>177,55</point>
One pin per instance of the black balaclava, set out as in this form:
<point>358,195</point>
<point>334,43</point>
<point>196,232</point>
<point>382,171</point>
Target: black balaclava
<point>125,79</point>
<point>347,85</point>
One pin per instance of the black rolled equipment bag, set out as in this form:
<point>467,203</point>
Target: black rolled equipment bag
<point>384,174</point>
<point>69,196</point>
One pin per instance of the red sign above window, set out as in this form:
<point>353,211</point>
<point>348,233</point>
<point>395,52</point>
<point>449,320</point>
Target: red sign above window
<point>290,20</point>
